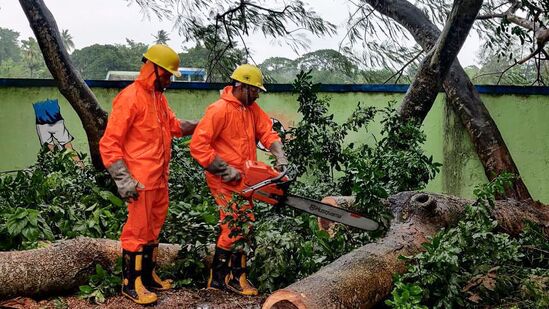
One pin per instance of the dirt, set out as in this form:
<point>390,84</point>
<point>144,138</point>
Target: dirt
<point>180,298</point>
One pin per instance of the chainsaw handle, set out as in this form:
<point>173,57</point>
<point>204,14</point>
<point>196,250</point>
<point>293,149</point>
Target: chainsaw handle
<point>266,182</point>
<point>282,173</point>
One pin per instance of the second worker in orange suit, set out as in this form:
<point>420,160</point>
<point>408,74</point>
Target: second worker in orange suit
<point>224,140</point>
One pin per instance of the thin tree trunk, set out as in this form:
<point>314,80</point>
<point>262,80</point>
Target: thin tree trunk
<point>462,96</point>
<point>363,277</point>
<point>423,91</point>
<point>69,81</point>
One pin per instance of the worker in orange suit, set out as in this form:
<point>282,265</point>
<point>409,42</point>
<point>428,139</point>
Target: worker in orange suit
<point>136,150</point>
<point>224,140</point>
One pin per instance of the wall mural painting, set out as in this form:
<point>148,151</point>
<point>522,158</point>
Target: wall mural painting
<point>50,127</point>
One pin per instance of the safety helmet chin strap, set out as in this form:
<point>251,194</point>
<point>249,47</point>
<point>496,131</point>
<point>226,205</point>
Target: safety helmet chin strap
<point>157,84</point>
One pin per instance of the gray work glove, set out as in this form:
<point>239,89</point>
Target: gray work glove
<point>188,126</point>
<point>278,152</point>
<point>221,168</point>
<point>231,174</point>
<point>126,184</point>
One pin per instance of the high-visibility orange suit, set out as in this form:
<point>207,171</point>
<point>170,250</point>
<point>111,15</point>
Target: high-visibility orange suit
<point>223,141</point>
<point>136,150</point>
<point>230,131</point>
<point>139,131</point>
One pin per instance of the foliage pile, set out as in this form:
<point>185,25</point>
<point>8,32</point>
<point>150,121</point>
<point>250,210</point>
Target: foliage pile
<point>286,244</point>
<point>55,199</point>
<point>474,265</point>
<point>370,171</point>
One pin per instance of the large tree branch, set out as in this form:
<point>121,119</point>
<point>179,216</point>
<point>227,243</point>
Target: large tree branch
<point>62,266</point>
<point>425,87</point>
<point>461,95</point>
<point>523,22</point>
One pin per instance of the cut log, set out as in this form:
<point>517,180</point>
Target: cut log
<point>63,266</point>
<point>363,277</point>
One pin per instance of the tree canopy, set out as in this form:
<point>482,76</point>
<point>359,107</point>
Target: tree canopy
<point>327,66</point>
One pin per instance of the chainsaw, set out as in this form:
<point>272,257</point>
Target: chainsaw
<point>262,182</point>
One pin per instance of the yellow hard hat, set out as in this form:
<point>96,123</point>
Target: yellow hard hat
<point>165,57</point>
<point>250,75</point>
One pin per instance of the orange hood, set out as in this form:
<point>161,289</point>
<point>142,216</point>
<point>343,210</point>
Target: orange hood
<point>146,76</point>
<point>228,96</point>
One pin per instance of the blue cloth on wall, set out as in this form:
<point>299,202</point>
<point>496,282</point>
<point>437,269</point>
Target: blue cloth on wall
<point>47,112</point>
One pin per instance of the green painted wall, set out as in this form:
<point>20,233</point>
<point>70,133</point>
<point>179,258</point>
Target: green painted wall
<point>521,120</point>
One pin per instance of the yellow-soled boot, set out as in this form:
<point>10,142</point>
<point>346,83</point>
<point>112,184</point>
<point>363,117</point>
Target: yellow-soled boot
<point>132,286</point>
<point>219,272</point>
<point>150,278</point>
<point>239,282</point>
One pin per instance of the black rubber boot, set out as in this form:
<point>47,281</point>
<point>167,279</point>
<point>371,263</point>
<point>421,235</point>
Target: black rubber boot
<point>239,282</point>
<point>149,277</point>
<point>132,286</point>
<point>219,273</point>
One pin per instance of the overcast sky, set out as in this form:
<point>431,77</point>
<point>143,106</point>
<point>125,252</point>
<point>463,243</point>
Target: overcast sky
<point>112,21</point>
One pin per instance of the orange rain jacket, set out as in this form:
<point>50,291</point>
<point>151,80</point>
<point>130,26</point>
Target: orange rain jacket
<point>140,130</point>
<point>231,130</point>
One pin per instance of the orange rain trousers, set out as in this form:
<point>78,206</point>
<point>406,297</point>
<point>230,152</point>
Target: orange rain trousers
<point>223,197</point>
<point>230,130</point>
<point>146,216</point>
<point>139,131</point>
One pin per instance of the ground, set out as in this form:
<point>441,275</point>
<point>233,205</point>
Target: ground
<point>180,298</point>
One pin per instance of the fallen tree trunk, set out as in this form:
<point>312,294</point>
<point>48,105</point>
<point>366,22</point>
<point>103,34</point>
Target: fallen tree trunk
<point>62,266</point>
<point>363,277</point>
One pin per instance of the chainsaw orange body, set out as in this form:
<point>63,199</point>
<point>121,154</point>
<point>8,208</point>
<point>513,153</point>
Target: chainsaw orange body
<point>260,182</point>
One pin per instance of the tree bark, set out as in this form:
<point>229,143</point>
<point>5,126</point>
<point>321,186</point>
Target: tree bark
<point>461,95</point>
<point>62,267</point>
<point>69,81</point>
<point>363,277</point>
<point>424,89</point>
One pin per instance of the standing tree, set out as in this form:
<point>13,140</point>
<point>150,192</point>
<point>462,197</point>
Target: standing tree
<point>96,60</point>
<point>67,40</point>
<point>407,19</point>
<point>31,56</point>
<point>9,48</point>
<point>161,37</point>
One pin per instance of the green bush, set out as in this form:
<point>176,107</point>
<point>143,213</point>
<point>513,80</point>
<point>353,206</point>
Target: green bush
<point>55,199</point>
